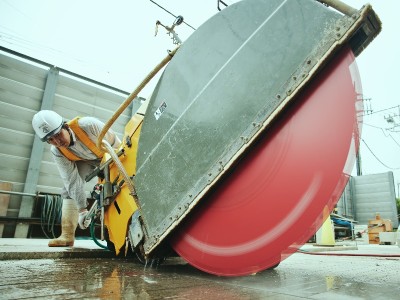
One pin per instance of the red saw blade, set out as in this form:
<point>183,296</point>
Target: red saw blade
<point>272,201</point>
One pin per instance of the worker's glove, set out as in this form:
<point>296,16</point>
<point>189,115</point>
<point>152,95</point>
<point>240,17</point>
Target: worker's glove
<point>84,220</point>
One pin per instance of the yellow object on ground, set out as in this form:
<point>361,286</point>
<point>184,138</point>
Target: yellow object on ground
<point>327,233</point>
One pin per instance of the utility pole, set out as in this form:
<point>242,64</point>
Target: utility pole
<point>393,120</point>
<point>358,162</point>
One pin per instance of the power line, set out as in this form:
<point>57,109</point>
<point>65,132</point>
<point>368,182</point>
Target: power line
<point>385,109</point>
<point>18,10</point>
<point>40,62</point>
<point>394,140</point>
<point>45,51</point>
<point>378,158</point>
<point>383,130</point>
<point>18,41</point>
<point>171,13</point>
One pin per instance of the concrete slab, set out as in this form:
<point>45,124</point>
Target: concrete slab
<point>19,248</point>
<point>15,248</point>
<point>368,272</point>
<point>352,248</point>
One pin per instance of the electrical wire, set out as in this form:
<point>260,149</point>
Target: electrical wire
<point>171,13</point>
<point>378,158</point>
<point>13,41</point>
<point>19,40</point>
<point>384,131</point>
<point>394,140</point>
<point>18,10</point>
<point>385,109</point>
<point>377,127</point>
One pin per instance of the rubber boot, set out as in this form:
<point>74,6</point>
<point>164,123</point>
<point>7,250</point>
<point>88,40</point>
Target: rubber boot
<point>69,222</point>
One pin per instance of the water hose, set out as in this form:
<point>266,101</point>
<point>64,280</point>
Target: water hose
<point>340,6</point>
<point>92,234</point>
<point>132,96</point>
<point>121,168</point>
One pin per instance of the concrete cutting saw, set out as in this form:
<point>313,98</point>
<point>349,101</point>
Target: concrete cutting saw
<point>249,136</point>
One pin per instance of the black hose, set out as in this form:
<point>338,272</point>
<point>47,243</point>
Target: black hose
<point>50,214</point>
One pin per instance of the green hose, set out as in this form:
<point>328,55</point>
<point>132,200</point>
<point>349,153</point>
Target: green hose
<point>94,237</point>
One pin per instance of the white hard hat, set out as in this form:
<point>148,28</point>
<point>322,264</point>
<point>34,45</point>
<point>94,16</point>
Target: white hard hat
<point>47,123</point>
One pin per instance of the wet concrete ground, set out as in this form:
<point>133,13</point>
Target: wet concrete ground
<point>301,276</point>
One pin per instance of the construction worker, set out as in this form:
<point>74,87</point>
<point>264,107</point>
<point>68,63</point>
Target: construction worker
<point>74,150</point>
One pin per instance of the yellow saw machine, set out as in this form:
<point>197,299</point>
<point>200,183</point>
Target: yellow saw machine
<point>250,135</point>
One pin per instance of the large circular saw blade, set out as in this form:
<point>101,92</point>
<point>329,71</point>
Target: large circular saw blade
<point>273,200</point>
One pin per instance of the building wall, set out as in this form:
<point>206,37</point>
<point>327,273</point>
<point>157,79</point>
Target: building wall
<point>22,90</point>
<point>345,204</point>
<point>374,194</point>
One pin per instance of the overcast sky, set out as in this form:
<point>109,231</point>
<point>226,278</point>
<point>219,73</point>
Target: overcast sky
<point>113,42</point>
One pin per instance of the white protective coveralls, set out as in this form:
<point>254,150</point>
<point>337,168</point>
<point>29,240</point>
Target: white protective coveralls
<point>73,174</point>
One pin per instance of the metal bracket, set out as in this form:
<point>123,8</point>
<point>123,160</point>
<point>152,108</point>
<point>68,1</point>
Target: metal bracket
<point>135,232</point>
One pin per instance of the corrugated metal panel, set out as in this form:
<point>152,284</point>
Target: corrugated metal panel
<point>344,205</point>
<point>14,92</point>
<point>74,98</point>
<point>22,72</point>
<point>21,91</point>
<point>22,86</point>
<point>375,194</point>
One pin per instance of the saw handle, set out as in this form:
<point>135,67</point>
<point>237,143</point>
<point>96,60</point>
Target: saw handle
<point>100,168</point>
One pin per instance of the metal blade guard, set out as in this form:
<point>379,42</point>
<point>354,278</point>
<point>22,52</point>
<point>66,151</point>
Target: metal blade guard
<point>223,88</point>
